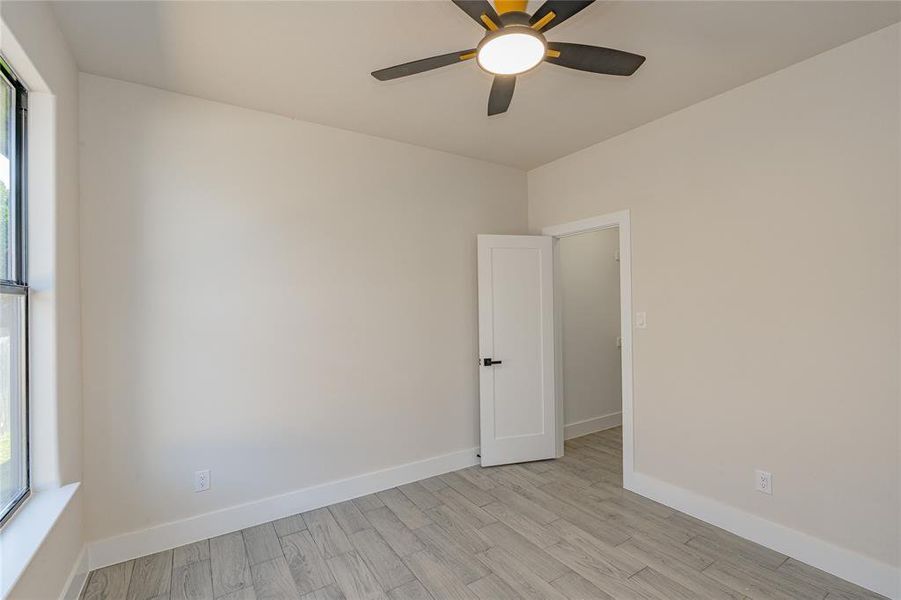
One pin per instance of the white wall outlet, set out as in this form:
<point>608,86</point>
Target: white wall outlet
<point>202,480</point>
<point>764,481</point>
<point>641,320</point>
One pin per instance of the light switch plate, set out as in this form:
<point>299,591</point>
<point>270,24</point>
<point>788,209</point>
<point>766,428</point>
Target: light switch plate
<point>641,320</point>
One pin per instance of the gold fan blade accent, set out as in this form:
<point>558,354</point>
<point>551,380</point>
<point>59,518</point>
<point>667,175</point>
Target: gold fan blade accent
<point>488,23</point>
<point>504,6</point>
<point>544,20</point>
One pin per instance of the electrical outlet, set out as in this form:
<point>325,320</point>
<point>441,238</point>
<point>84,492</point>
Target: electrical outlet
<point>202,480</point>
<point>764,482</point>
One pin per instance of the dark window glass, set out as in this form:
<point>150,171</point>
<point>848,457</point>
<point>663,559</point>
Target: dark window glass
<point>14,463</point>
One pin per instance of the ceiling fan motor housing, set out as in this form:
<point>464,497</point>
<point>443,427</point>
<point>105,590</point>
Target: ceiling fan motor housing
<point>515,17</point>
<point>514,22</point>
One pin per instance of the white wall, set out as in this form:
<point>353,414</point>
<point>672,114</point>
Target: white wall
<point>592,367</point>
<point>33,44</point>
<point>283,303</point>
<point>765,252</point>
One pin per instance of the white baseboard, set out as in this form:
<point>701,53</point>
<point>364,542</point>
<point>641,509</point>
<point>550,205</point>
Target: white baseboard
<point>78,577</point>
<point>580,428</point>
<point>177,533</point>
<point>841,562</point>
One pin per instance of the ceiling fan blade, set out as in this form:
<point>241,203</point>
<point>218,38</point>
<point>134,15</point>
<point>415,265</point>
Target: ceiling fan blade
<point>424,64</point>
<point>501,94</point>
<point>562,9</point>
<point>476,8</point>
<point>593,58</point>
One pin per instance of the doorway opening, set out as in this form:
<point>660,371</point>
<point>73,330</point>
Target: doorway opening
<point>588,286</point>
<point>521,362</point>
<point>593,331</point>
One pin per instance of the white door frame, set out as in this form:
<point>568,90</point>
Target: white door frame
<point>621,221</point>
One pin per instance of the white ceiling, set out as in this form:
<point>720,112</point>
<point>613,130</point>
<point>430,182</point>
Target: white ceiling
<point>311,61</point>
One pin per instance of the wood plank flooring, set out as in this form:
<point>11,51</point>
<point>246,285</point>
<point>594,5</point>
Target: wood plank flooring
<point>559,529</point>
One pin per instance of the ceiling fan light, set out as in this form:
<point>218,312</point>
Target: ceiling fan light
<point>511,53</point>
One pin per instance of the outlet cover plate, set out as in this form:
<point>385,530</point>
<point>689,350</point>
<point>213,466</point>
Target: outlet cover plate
<point>202,480</point>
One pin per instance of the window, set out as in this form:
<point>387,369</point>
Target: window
<point>14,463</point>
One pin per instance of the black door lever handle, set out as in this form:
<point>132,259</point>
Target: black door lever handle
<point>487,362</point>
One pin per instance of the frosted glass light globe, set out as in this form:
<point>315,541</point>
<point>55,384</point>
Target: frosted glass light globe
<point>511,53</point>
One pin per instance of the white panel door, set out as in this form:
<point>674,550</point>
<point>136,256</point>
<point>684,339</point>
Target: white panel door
<point>516,347</point>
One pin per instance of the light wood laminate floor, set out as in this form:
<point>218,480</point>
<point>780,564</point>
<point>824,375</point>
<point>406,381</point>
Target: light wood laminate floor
<point>552,530</point>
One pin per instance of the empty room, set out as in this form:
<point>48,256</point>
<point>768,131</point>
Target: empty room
<point>450,299</point>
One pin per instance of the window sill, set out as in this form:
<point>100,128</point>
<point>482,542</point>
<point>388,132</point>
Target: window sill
<point>22,536</point>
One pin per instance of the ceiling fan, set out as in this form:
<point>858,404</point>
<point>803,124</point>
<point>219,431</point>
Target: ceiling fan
<point>514,43</point>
